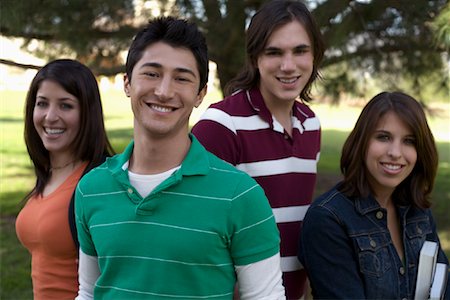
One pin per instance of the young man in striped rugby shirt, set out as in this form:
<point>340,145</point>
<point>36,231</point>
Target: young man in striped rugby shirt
<point>166,219</point>
<point>264,126</point>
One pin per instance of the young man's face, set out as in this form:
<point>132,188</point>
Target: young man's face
<point>286,64</point>
<point>163,90</point>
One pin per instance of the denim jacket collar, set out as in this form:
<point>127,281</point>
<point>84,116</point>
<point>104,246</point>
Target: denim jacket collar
<point>365,205</point>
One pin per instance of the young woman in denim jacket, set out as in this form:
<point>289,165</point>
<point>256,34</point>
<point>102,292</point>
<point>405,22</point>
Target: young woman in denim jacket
<point>362,238</point>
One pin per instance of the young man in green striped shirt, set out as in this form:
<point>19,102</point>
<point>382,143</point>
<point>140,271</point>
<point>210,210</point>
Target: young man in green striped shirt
<point>166,219</point>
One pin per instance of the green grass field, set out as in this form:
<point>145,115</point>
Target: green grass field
<point>16,173</point>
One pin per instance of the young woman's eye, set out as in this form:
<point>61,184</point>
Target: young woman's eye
<point>382,137</point>
<point>40,104</point>
<point>410,141</point>
<point>66,106</point>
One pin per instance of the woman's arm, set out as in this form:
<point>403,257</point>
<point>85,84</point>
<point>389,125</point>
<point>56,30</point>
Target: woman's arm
<point>327,254</point>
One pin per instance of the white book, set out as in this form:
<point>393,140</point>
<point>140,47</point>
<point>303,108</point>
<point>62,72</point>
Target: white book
<point>425,271</point>
<point>439,281</point>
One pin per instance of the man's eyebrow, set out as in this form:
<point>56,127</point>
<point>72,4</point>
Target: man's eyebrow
<point>301,46</point>
<point>159,66</point>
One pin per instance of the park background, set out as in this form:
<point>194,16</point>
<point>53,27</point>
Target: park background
<point>372,46</point>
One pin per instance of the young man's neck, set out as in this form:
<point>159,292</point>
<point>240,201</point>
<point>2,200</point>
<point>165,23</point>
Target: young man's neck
<point>153,156</point>
<point>282,113</point>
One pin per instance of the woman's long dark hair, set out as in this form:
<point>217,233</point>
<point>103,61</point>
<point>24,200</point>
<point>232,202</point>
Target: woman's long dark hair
<point>417,187</point>
<point>91,143</point>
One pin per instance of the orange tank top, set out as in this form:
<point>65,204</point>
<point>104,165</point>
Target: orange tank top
<point>42,226</point>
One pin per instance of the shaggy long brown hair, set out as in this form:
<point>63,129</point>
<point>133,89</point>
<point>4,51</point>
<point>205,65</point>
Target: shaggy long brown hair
<point>270,17</point>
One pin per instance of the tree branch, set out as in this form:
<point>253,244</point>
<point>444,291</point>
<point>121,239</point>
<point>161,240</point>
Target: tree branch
<point>18,65</point>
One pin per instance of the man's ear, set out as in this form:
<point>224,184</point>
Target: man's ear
<point>126,85</point>
<point>201,95</point>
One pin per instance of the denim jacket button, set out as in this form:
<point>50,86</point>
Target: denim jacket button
<point>402,270</point>
<point>373,243</point>
<point>130,191</point>
<point>379,215</point>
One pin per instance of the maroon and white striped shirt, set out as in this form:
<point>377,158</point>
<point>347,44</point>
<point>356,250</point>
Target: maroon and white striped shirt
<point>241,130</point>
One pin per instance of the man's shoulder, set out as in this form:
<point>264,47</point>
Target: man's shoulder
<point>223,169</point>
<point>98,175</point>
<point>235,104</point>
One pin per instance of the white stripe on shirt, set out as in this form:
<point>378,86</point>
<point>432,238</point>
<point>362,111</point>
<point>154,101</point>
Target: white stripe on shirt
<point>290,264</point>
<point>290,213</point>
<point>234,123</point>
<point>279,166</point>
<point>255,122</point>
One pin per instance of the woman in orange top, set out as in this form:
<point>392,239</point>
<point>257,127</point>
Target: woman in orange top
<point>65,136</point>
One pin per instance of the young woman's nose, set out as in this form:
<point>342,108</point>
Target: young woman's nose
<point>52,113</point>
<point>394,150</point>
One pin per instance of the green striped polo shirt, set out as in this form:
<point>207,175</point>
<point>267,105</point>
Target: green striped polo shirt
<point>183,240</point>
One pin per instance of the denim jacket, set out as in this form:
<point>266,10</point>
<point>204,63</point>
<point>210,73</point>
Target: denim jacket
<point>348,253</point>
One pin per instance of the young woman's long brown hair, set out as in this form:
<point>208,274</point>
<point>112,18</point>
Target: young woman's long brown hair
<point>91,143</point>
<point>417,187</point>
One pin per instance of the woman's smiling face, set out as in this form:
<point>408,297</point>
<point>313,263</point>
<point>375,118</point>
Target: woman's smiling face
<point>56,117</point>
<point>391,154</point>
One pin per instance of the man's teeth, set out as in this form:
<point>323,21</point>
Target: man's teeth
<point>54,131</point>
<point>284,80</point>
<point>392,167</point>
<point>161,108</point>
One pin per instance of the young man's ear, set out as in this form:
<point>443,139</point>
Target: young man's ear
<point>201,95</point>
<point>126,85</point>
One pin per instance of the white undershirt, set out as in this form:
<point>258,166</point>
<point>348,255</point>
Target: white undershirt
<point>145,184</point>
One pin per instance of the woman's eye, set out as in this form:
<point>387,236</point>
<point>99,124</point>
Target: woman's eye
<point>410,141</point>
<point>66,106</point>
<point>40,103</point>
<point>382,137</point>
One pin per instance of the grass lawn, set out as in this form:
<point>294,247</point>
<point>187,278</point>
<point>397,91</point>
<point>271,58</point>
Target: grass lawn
<point>16,173</point>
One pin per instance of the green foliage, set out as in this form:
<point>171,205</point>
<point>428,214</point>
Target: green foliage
<point>388,44</point>
<point>441,28</point>
<point>94,32</point>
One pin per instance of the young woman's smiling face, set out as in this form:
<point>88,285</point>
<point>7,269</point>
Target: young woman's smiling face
<point>56,117</point>
<point>391,154</point>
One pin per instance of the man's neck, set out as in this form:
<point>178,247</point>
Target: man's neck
<point>283,114</point>
<point>152,156</point>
